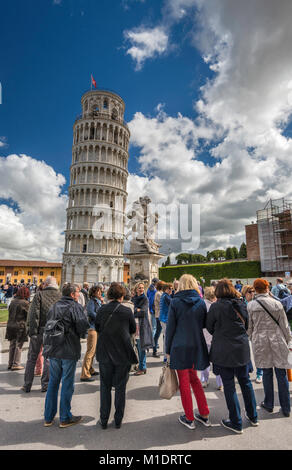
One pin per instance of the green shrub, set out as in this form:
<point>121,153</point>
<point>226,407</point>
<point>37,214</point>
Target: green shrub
<point>231,270</point>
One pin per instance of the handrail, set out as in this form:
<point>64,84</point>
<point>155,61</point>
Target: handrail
<point>100,115</point>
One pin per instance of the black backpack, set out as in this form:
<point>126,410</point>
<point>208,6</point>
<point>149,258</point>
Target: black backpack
<point>282,293</point>
<point>54,336</point>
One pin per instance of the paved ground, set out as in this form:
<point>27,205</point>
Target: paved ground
<point>149,424</point>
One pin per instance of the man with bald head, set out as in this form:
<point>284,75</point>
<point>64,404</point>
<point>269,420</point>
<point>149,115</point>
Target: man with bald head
<point>37,318</point>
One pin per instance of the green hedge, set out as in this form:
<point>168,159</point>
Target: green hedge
<point>231,270</point>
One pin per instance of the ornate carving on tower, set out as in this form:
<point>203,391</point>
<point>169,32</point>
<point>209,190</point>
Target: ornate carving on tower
<point>97,191</point>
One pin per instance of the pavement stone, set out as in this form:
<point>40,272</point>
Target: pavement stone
<point>150,423</point>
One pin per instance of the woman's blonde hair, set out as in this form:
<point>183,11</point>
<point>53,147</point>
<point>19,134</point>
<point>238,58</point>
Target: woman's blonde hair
<point>137,285</point>
<point>188,282</point>
<point>209,293</point>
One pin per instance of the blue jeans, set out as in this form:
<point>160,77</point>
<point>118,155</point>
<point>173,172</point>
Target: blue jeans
<point>157,334</point>
<point>283,388</point>
<point>153,324</point>
<point>259,372</point>
<point>60,370</point>
<point>227,375</point>
<point>142,356</point>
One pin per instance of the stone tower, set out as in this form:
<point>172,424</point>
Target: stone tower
<point>94,236</point>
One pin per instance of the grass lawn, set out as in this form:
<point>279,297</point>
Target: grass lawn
<point>3,315</point>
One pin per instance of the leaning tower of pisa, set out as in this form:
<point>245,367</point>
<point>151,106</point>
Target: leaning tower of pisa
<point>94,236</point>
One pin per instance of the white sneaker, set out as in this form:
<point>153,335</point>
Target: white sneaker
<point>205,384</point>
<point>259,379</point>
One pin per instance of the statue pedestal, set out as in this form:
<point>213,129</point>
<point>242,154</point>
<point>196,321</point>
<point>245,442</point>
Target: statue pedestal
<point>143,266</point>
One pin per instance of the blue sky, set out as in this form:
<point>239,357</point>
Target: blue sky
<point>208,91</point>
<point>50,50</point>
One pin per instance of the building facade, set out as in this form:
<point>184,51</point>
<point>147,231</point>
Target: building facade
<point>252,242</point>
<point>30,271</point>
<point>94,236</point>
<point>271,238</point>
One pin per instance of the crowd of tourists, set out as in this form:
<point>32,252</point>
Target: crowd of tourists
<point>202,329</point>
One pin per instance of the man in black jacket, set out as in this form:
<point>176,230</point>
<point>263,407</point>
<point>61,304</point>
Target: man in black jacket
<point>115,324</point>
<point>36,320</point>
<point>64,356</point>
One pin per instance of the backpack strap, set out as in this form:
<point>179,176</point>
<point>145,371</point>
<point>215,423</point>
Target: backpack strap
<point>109,318</point>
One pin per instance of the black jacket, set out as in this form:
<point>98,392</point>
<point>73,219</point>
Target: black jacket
<point>16,325</point>
<point>230,344</point>
<point>185,340</point>
<point>145,330</point>
<point>38,310</point>
<point>114,342</point>
<point>76,326</point>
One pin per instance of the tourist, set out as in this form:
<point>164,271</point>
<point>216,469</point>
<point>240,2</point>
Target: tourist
<point>157,298</point>
<point>186,348</point>
<point>127,302</point>
<point>238,286</point>
<point>248,293</point>
<point>37,318</point>
<point>270,337</point>
<point>145,340</point>
<point>115,324</point>
<point>16,331</point>
<point>280,290</point>
<point>151,291</point>
<point>209,298</point>
<point>85,292</point>
<point>287,304</point>
<point>81,298</point>
<point>227,321</point>
<point>92,308</point>
<point>64,357</point>
<point>163,311</point>
<point>8,289</point>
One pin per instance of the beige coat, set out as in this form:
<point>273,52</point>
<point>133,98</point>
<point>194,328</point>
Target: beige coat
<point>269,341</point>
<point>157,303</point>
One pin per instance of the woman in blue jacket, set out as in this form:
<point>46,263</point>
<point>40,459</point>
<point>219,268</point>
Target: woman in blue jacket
<point>92,308</point>
<point>186,346</point>
<point>163,311</point>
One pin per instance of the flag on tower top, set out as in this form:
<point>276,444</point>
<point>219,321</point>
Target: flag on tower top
<point>93,82</point>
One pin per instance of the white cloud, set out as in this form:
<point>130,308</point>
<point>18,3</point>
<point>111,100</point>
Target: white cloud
<point>146,43</point>
<point>33,219</point>
<point>241,115</point>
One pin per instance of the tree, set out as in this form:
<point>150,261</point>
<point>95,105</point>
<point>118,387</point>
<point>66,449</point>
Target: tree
<point>229,253</point>
<point>182,258</point>
<point>242,251</point>
<point>235,252</point>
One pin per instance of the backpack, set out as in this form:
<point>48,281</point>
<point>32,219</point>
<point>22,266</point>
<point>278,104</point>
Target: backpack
<point>54,336</point>
<point>282,293</point>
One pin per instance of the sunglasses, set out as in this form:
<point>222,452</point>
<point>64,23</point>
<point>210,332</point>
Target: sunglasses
<point>250,291</point>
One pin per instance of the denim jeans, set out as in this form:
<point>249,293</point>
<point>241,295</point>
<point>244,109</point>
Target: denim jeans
<point>283,388</point>
<point>142,356</point>
<point>60,370</point>
<point>259,372</point>
<point>157,334</point>
<point>227,375</point>
<point>153,324</point>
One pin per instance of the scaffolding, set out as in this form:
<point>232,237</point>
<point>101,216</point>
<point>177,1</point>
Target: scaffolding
<point>275,236</point>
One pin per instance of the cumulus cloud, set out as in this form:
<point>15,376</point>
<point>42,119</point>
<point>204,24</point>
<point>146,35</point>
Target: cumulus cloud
<point>239,118</point>
<point>146,43</point>
<point>33,209</point>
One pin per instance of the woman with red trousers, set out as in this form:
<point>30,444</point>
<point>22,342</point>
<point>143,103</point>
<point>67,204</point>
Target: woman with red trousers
<point>186,348</point>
